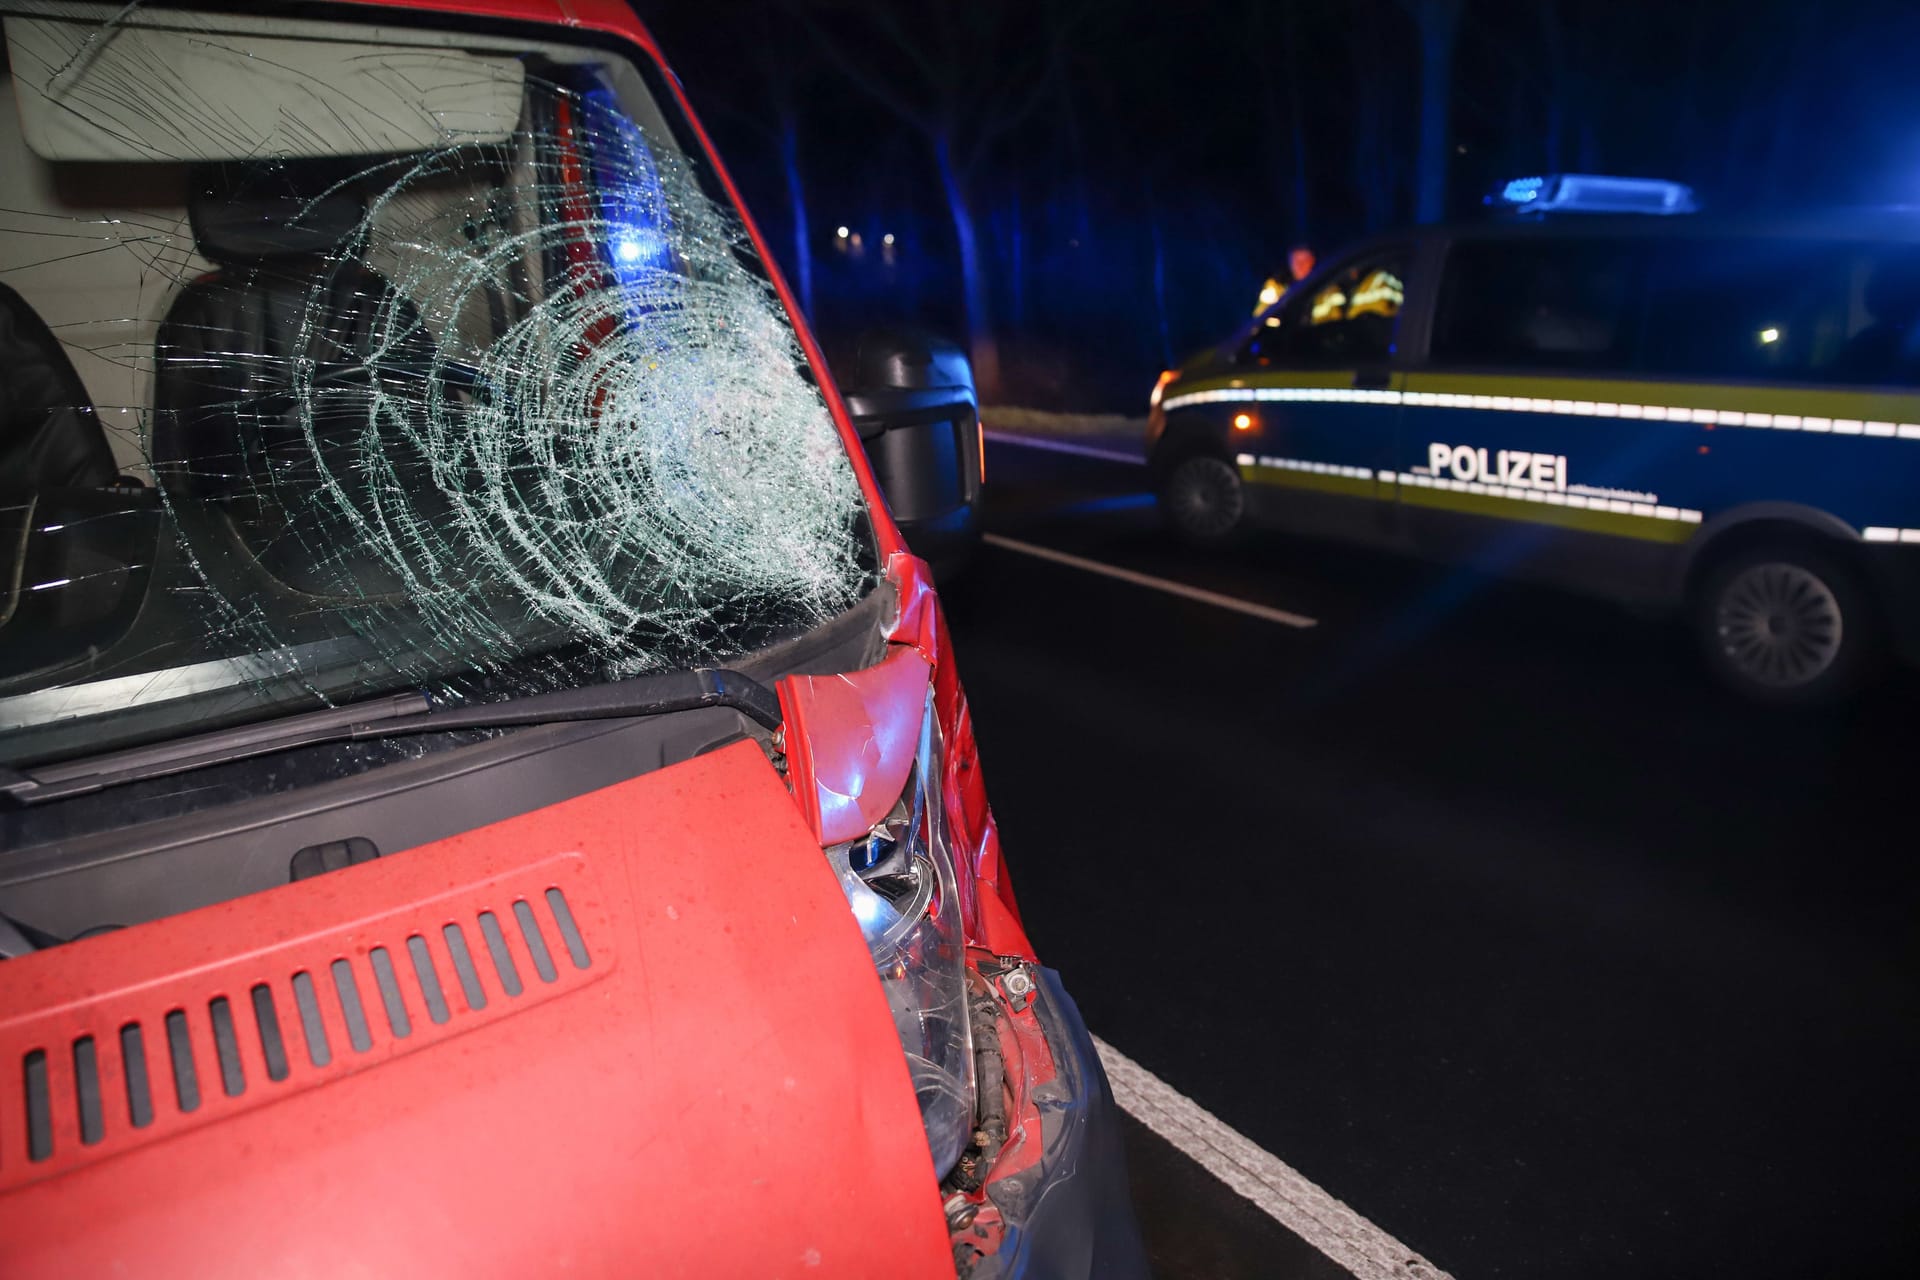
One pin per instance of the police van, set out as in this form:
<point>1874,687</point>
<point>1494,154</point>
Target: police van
<point>1603,390</point>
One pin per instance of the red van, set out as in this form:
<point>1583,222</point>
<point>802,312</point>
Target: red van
<point>484,788</point>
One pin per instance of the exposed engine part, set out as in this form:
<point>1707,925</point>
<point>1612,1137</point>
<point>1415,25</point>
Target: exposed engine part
<point>1018,986</point>
<point>1015,979</point>
<point>959,1210</point>
<point>990,1089</point>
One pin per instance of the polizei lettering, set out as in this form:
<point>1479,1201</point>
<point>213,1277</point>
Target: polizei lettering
<point>1515,467</point>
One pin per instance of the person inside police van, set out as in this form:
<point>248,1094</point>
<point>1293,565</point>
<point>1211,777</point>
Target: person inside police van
<point>1300,263</point>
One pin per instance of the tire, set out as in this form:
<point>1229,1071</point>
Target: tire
<point>1204,502</point>
<point>1786,625</point>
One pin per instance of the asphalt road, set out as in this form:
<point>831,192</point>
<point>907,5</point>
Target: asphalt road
<point>1472,902</point>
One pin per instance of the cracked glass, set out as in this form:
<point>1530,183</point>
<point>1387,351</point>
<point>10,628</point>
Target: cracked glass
<point>341,359</point>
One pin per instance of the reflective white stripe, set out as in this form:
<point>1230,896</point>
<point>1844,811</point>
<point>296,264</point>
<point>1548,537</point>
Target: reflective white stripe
<point>1243,395</point>
<point>1167,585</point>
<point>1543,497</point>
<point>1528,404</point>
<point>1879,533</point>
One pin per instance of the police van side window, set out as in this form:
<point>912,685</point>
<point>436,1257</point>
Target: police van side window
<point>1554,304</point>
<point>1786,310</point>
<point>1347,318</point>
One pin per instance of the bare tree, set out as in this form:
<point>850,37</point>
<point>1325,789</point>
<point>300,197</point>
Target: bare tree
<point>962,75</point>
<point>776,120</point>
<point>1438,24</point>
<point>781,89</point>
<point>1375,160</point>
<point>1275,60</point>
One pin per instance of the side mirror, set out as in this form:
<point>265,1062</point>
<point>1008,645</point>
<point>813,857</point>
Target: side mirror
<point>912,399</point>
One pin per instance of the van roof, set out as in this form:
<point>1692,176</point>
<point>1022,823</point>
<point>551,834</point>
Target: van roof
<point>1883,223</point>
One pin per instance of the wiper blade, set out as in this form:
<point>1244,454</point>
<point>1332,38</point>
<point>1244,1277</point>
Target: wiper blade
<point>384,717</point>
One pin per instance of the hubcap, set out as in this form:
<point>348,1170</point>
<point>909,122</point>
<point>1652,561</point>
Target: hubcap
<point>1206,498</point>
<point>1779,625</point>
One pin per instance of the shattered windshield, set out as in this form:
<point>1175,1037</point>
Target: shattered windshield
<point>338,359</point>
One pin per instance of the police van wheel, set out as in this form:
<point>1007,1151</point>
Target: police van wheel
<point>1204,502</point>
<point>1786,625</point>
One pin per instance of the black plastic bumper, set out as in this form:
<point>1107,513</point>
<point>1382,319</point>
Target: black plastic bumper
<point>1072,1217</point>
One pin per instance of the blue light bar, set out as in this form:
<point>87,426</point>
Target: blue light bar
<point>1594,193</point>
<point>1522,190</point>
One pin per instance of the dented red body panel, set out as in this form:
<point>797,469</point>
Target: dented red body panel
<point>851,741</point>
<point>724,1059</point>
<point>993,916</point>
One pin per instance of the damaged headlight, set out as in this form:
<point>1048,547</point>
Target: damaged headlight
<point>899,880</point>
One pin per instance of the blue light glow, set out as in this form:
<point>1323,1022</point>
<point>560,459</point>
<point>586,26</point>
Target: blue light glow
<point>1523,190</point>
<point>632,203</point>
<point>1595,193</point>
<point>1102,506</point>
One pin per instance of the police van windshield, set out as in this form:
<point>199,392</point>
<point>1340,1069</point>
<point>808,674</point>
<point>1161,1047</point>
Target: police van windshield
<point>1349,316</point>
<point>341,359</point>
<point>1748,309</point>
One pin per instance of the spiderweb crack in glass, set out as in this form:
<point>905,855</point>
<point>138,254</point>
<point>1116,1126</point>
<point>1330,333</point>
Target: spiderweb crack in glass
<point>509,407</point>
<point>678,446</point>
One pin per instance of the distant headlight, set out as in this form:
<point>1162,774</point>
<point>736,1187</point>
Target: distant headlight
<point>899,880</point>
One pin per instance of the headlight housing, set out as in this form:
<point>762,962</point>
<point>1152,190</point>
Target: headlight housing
<point>900,882</point>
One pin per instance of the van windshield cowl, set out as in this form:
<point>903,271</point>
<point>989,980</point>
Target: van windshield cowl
<point>351,360</point>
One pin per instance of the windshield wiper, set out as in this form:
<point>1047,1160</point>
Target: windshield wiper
<point>384,717</point>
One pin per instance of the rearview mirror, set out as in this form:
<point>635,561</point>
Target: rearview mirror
<point>83,89</point>
<point>912,399</point>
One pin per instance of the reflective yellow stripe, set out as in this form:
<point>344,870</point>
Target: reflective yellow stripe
<point>1595,517</point>
<point>1267,378</point>
<point>1646,521</point>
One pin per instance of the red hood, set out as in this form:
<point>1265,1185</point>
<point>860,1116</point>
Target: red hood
<point>719,1091</point>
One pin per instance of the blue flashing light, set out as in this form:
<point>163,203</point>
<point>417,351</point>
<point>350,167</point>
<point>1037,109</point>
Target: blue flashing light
<point>639,243</point>
<point>1595,193</point>
<point>632,204</point>
<point>1523,190</point>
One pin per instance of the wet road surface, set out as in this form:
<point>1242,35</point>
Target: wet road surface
<point>1472,902</point>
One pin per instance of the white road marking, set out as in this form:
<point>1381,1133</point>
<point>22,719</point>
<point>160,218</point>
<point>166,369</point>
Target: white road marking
<point>1272,1185</point>
<point>1066,446</point>
<point>1167,585</point>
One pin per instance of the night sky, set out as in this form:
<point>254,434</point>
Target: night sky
<point>1111,145</point>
